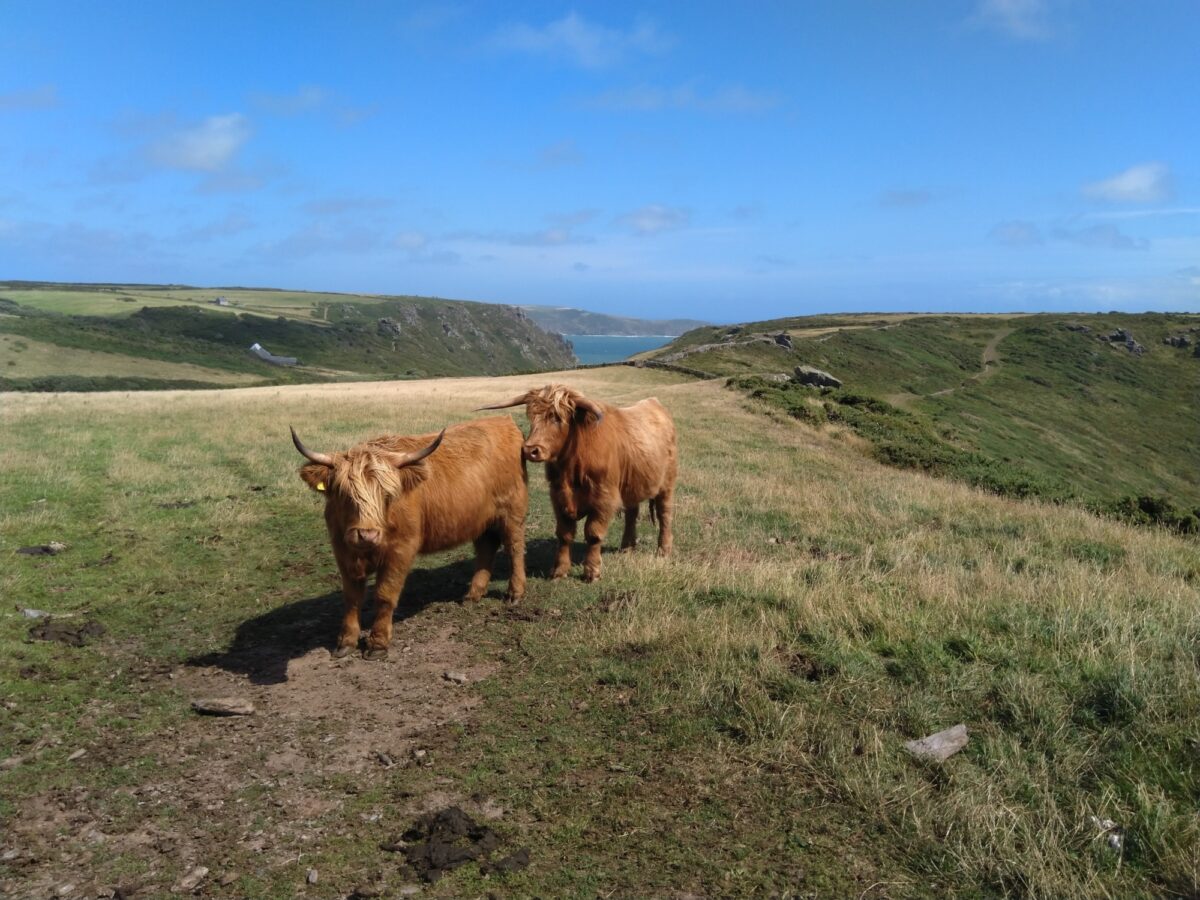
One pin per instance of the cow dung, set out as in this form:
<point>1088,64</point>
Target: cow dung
<point>71,635</point>
<point>441,841</point>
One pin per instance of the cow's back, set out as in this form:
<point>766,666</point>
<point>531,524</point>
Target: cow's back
<point>474,479</point>
<point>649,454</point>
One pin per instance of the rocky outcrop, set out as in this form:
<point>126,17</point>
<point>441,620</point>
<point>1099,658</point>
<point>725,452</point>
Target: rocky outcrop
<point>1178,340</point>
<point>814,377</point>
<point>1082,329</point>
<point>783,339</point>
<point>1124,338</point>
<point>389,328</point>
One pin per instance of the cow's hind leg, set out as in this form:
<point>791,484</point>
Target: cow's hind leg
<point>514,543</point>
<point>664,505</point>
<point>486,546</point>
<point>629,538</point>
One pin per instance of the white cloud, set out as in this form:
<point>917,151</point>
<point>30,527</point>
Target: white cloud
<point>1024,20</point>
<point>649,98</point>
<point>654,218</point>
<point>43,97</point>
<point>905,198</point>
<point>1144,183</point>
<point>1016,234</point>
<point>583,43</point>
<point>562,153</point>
<point>304,99</point>
<point>1106,236</point>
<point>207,147</point>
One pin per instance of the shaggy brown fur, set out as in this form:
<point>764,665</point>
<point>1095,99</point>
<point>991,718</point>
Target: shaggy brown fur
<point>380,515</point>
<point>599,459</point>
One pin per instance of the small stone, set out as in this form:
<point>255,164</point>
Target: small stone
<point>78,754</point>
<point>33,613</point>
<point>311,877</point>
<point>1114,841</point>
<point>66,890</point>
<point>940,746</point>
<point>408,890</point>
<point>456,677</point>
<point>419,754</point>
<point>224,706</point>
<point>385,759</point>
<point>11,763</point>
<point>192,879</point>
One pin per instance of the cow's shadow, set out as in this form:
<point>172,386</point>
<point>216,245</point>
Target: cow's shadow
<point>262,647</point>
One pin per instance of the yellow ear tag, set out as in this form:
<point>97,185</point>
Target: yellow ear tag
<point>320,485</point>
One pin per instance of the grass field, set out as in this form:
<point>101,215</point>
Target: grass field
<point>726,722</point>
<point>35,358</point>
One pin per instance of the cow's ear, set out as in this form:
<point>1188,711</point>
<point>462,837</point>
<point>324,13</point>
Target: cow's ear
<point>316,476</point>
<point>587,412</point>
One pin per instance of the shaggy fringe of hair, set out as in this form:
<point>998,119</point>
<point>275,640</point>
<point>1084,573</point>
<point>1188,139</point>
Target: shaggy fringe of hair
<point>554,401</point>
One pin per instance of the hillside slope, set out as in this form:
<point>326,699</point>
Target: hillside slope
<point>335,337</point>
<point>726,722</point>
<point>565,320</point>
<point>1043,400</point>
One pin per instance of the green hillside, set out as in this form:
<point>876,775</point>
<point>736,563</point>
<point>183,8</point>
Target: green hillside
<point>1025,405</point>
<point>564,320</point>
<point>66,337</point>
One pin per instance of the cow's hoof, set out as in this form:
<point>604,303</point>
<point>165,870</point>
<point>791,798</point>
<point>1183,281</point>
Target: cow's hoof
<point>590,577</point>
<point>341,652</point>
<point>513,599</point>
<point>375,655</point>
<point>471,598</point>
<point>557,574</point>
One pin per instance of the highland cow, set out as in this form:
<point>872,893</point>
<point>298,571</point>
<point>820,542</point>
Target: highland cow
<point>392,498</point>
<point>599,459</point>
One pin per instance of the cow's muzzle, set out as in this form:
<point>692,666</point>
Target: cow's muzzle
<point>365,537</point>
<point>533,453</point>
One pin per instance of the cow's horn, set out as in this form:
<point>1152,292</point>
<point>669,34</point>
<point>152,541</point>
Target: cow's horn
<point>323,459</point>
<point>400,460</point>
<point>518,400</point>
<point>588,406</point>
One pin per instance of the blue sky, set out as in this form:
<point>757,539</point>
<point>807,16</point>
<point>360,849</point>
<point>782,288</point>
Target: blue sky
<point>714,160</point>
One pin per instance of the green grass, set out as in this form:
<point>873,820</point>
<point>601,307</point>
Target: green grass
<point>727,722</point>
<point>1020,405</point>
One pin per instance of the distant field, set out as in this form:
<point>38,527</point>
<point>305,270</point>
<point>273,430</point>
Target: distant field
<point>35,358</point>
<point>728,722</point>
<point>119,301</point>
<point>332,336</point>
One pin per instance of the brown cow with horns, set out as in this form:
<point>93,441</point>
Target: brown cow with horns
<point>394,497</point>
<point>600,458</point>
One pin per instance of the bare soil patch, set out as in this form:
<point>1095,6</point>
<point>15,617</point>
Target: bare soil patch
<point>239,794</point>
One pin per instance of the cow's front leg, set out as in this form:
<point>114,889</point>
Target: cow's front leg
<point>593,532</point>
<point>565,531</point>
<point>388,585</point>
<point>353,591</point>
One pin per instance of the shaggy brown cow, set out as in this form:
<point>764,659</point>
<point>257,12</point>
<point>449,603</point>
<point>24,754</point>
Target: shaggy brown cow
<point>600,458</point>
<point>393,497</point>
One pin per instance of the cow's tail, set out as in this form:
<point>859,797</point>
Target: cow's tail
<point>653,514</point>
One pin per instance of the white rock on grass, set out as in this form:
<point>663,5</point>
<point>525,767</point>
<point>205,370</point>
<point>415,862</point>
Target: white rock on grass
<point>941,746</point>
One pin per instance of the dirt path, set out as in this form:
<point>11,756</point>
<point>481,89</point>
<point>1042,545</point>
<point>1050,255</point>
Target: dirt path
<point>239,795</point>
<point>989,361</point>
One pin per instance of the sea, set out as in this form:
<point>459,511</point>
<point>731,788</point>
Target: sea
<point>602,348</point>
